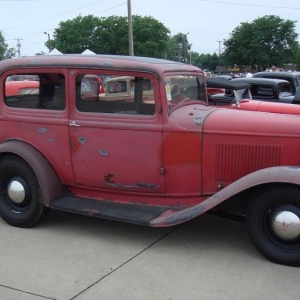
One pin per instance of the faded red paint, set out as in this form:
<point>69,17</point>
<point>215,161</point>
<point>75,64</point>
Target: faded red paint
<point>188,159</point>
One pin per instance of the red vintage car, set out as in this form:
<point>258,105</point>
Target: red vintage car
<point>21,87</point>
<point>158,163</point>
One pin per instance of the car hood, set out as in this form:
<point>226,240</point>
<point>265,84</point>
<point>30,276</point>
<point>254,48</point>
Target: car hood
<point>237,121</point>
<point>272,107</point>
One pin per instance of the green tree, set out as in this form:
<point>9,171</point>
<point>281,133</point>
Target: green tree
<point>178,48</point>
<point>76,35</point>
<point>298,59</point>
<point>207,61</point>
<point>150,37</point>
<point>110,36</point>
<point>266,41</point>
<point>5,52</point>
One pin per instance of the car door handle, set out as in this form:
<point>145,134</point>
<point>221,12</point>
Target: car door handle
<point>73,123</point>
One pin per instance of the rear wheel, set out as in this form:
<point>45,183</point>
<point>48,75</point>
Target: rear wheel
<point>273,220</point>
<point>20,199</point>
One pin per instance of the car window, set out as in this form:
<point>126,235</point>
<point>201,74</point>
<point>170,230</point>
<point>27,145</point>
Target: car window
<point>117,94</point>
<point>297,81</point>
<point>35,91</point>
<point>284,87</point>
<point>262,91</point>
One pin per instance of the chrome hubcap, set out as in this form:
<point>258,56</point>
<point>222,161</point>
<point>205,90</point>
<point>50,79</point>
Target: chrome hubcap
<point>286,225</point>
<point>16,191</point>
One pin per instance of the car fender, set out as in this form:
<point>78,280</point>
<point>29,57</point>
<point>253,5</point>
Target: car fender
<point>49,182</point>
<point>281,174</point>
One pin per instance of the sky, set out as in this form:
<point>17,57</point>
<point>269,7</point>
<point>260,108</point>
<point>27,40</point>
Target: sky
<point>206,22</point>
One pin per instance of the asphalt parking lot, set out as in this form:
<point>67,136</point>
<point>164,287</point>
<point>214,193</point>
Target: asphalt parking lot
<point>70,256</point>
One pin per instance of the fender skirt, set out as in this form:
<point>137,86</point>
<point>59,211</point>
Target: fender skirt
<point>280,174</point>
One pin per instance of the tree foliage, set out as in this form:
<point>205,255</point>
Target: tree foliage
<point>266,41</point>
<point>110,36</point>
<point>5,52</point>
<point>178,48</point>
<point>298,59</point>
<point>208,61</point>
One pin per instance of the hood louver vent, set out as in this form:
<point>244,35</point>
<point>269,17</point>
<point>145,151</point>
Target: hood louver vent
<point>235,160</point>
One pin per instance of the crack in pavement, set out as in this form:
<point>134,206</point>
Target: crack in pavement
<point>25,292</point>
<point>126,262</point>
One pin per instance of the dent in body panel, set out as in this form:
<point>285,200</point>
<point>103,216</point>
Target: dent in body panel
<point>42,130</point>
<point>82,140</point>
<point>103,152</point>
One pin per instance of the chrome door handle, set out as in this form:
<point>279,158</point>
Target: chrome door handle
<point>73,123</point>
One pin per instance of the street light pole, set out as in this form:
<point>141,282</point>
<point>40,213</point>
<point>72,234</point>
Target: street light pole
<point>220,57</point>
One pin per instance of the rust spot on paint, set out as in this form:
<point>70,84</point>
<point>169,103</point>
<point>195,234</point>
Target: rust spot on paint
<point>74,145</point>
<point>108,180</point>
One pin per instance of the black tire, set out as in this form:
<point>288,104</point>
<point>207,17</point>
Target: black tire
<point>273,223</point>
<point>21,202</point>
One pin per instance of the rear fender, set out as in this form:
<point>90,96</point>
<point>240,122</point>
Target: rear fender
<point>48,180</point>
<point>284,174</point>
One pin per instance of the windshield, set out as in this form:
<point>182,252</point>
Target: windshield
<point>184,87</point>
<point>243,94</point>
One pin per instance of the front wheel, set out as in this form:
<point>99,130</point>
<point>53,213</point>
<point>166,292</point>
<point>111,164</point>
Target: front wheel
<point>273,220</point>
<point>20,199</point>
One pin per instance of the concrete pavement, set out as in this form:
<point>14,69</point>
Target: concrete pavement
<point>69,256</point>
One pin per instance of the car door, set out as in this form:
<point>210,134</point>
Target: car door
<point>115,143</point>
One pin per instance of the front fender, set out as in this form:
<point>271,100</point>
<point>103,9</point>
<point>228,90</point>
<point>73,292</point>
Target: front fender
<point>48,180</point>
<point>283,174</point>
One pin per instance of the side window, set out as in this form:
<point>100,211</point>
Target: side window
<point>116,94</point>
<point>36,91</point>
<point>262,91</point>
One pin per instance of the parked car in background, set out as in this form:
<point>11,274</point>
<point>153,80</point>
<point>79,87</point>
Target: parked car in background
<point>21,87</point>
<point>238,95</point>
<point>292,77</point>
<point>157,163</point>
<point>266,89</point>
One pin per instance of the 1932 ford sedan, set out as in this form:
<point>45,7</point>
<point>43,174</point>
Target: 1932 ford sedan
<point>156,162</point>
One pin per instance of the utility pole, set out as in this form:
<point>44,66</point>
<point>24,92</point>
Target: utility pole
<point>220,71</point>
<point>49,41</point>
<point>184,46</point>
<point>19,47</point>
<point>130,34</point>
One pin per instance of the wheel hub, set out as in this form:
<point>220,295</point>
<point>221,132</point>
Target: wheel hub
<point>16,191</point>
<point>286,225</point>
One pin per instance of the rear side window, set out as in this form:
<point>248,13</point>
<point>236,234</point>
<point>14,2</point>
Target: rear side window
<point>115,94</point>
<point>35,91</point>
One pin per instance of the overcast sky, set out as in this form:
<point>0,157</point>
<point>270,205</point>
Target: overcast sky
<point>205,21</point>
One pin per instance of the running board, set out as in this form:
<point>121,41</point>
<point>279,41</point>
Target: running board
<point>130,213</point>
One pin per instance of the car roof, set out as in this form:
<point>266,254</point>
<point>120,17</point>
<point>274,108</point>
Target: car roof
<point>283,74</point>
<point>97,61</point>
<point>221,82</point>
<point>259,80</point>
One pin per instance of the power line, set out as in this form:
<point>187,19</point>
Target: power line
<point>53,16</point>
<point>254,5</point>
<point>59,15</point>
